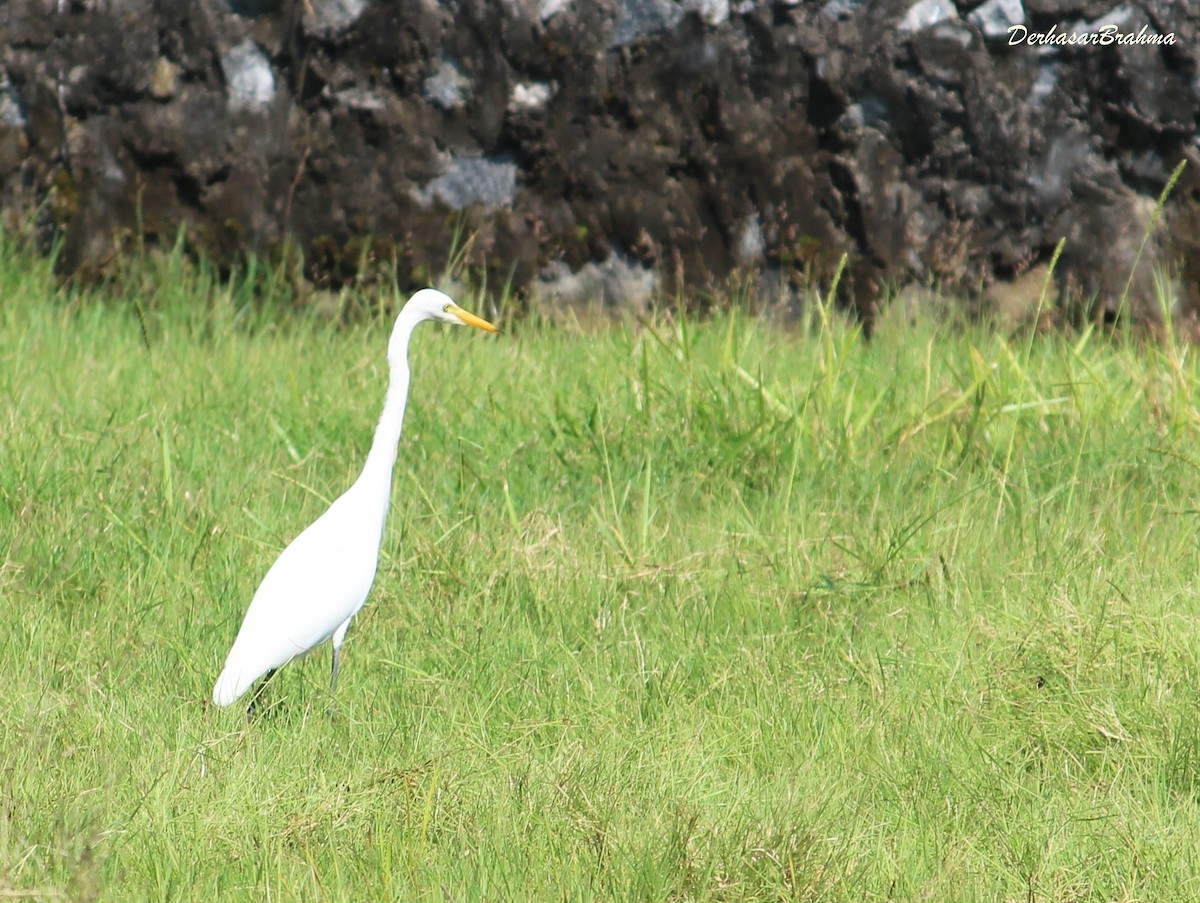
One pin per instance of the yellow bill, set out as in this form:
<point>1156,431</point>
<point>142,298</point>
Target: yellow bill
<point>470,319</point>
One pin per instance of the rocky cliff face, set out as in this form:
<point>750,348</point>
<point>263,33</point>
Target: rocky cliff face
<point>612,147</point>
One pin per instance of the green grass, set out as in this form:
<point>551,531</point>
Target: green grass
<point>710,611</point>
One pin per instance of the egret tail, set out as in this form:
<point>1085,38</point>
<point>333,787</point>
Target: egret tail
<point>233,683</point>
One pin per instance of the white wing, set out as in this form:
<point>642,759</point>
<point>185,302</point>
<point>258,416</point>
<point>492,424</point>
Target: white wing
<point>317,584</point>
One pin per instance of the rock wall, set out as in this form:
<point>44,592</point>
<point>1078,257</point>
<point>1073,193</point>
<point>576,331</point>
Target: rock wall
<point>613,147</point>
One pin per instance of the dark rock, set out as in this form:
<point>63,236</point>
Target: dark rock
<point>616,148</point>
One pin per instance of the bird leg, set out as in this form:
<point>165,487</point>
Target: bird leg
<point>252,708</point>
<point>338,636</point>
<point>333,683</point>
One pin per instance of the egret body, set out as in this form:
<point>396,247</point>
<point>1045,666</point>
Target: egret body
<point>320,581</point>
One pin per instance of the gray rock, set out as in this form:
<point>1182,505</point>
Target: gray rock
<point>448,87</point>
<point>750,244</point>
<point>638,18</point>
<point>995,17</point>
<point>711,12</point>
<point>472,180</point>
<point>530,96</point>
<point>10,104</point>
<point>841,9</point>
<point>925,14</point>
<point>871,110</point>
<point>358,99</point>
<point>548,9</point>
<point>330,18</point>
<point>617,282</point>
<point>1045,81</point>
<point>249,77</point>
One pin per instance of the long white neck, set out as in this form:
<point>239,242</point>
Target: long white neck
<point>375,481</point>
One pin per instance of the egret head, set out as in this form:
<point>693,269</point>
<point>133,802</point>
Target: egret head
<point>430,304</point>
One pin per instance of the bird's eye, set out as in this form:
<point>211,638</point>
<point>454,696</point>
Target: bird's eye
<point>446,308</point>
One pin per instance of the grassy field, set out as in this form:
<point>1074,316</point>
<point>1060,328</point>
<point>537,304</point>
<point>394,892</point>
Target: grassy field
<point>667,611</point>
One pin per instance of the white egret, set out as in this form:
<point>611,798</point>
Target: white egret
<point>320,581</point>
